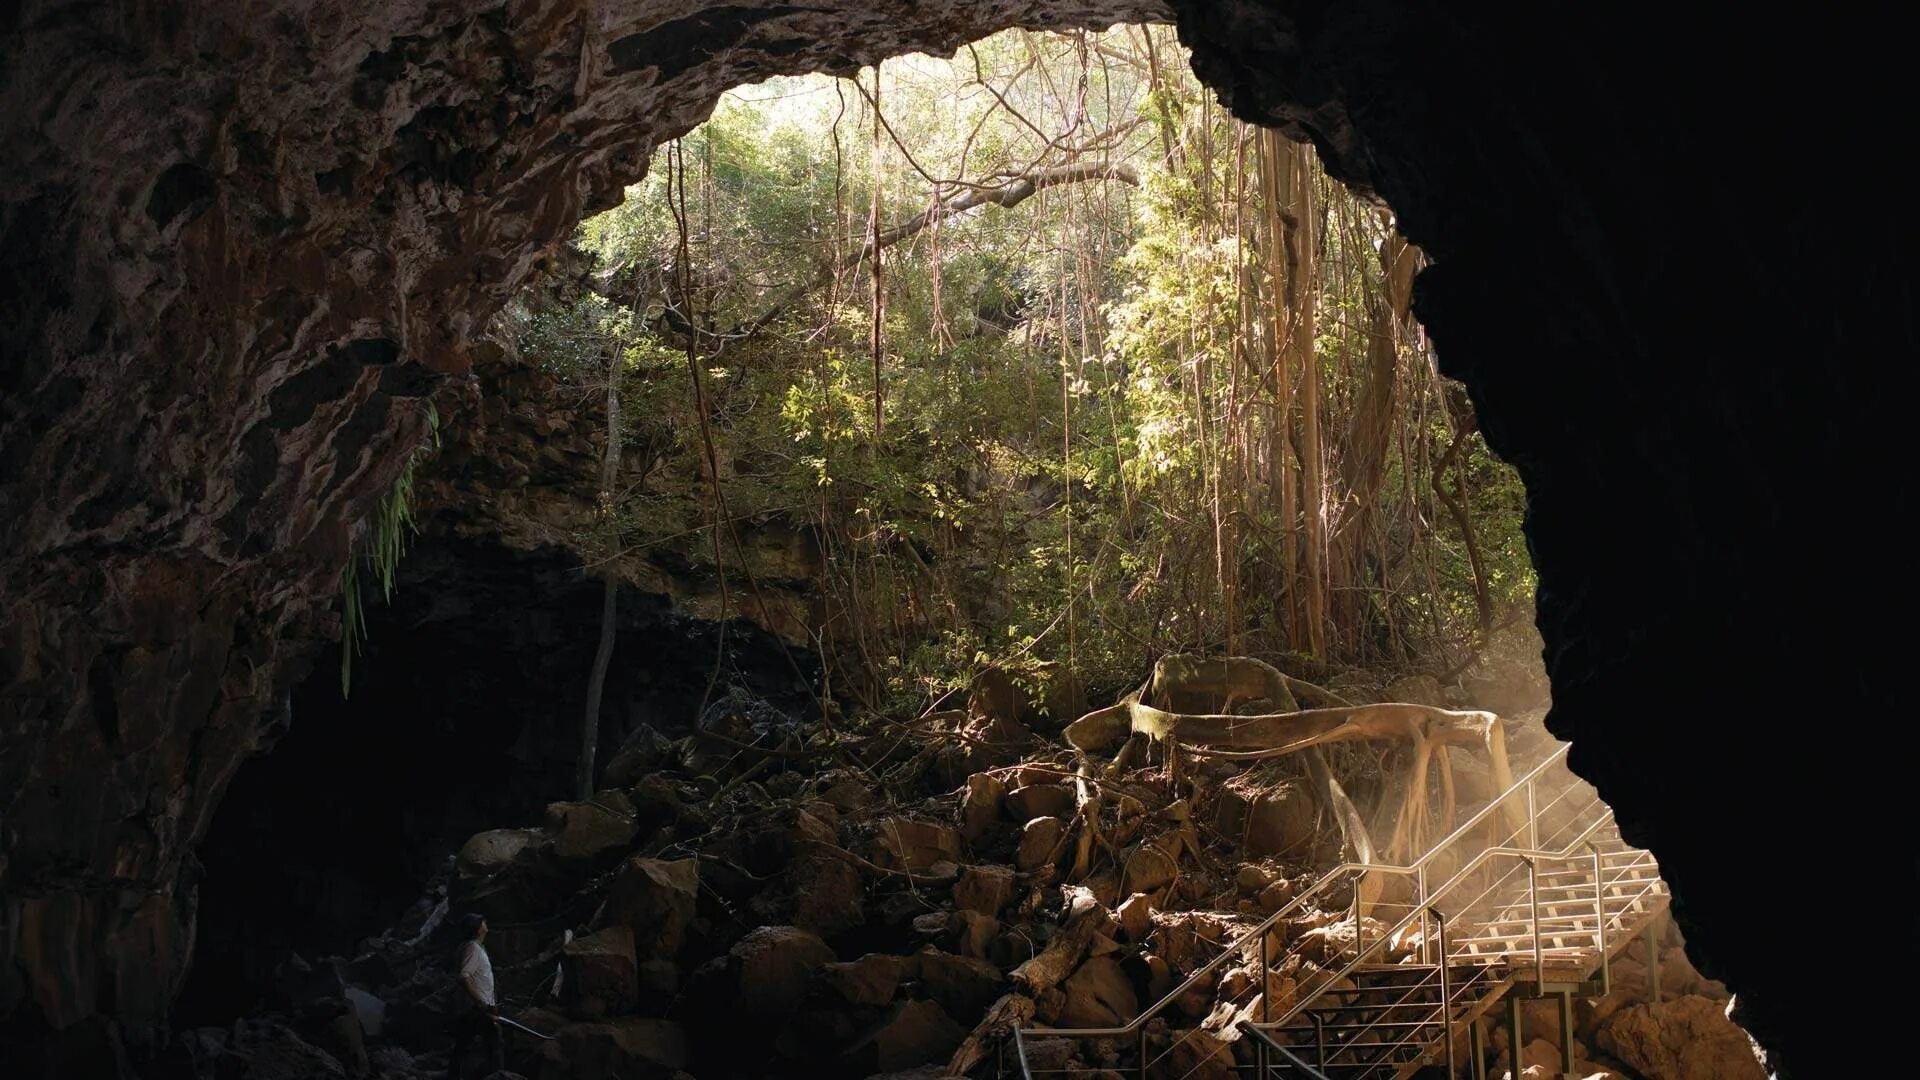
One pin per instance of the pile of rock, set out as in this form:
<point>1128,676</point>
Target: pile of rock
<point>745,901</point>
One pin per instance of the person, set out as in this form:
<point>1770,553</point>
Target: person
<point>477,1013</point>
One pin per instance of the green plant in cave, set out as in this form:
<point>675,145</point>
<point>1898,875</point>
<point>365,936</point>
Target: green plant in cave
<point>380,547</point>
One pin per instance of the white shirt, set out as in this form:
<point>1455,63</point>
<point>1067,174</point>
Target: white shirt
<point>476,969</point>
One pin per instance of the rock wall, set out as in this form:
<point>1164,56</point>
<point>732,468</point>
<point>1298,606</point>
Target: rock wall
<point>240,242</point>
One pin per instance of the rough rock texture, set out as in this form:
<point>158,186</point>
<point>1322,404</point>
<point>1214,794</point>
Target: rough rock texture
<point>240,242</point>
<point>1688,1038</point>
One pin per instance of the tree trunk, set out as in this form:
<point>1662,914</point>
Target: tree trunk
<point>596,684</point>
<point>603,655</point>
<point>1297,178</point>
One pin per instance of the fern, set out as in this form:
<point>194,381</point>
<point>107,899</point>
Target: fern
<point>381,546</point>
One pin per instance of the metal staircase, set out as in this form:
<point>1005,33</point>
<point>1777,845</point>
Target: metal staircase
<point>1530,897</point>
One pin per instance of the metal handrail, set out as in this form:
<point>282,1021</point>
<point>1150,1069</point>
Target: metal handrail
<point>1275,1046</point>
<point>1496,804</point>
<point>1459,876</point>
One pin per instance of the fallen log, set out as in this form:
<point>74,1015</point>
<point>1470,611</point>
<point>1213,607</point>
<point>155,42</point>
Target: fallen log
<point>1052,964</point>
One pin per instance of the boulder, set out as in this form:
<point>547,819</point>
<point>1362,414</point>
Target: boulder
<point>1252,877</point>
<point>266,1050</point>
<point>911,1033</point>
<point>869,980</point>
<point>644,751</point>
<point>774,966</point>
<point>1280,821</point>
<point>1149,867</point>
<point>1136,917</point>
<point>1040,800</point>
<point>985,889</point>
<point>506,875</point>
<point>495,850</point>
<point>962,985</point>
<point>1230,813</point>
<point>1275,896</point>
<point>1038,842</point>
<point>1194,1055</point>
<point>846,793</point>
<point>980,806</point>
<point>368,1009</point>
<point>621,1050</point>
<point>659,982</point>
<point>654,800</point>
<point>904,843</point>
<point>1417,690</point>
<point>819,892</point>
<point>1688,1038</point>
<point>656,899</point>
<point>1099,994</point>
<point>972,934</point>
<point>599,974</point>
<point>593,833</point>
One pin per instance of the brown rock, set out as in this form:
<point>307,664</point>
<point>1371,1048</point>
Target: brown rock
<point>657,899</point>
<point>1099,994</point>
<point>493,851</point>
<point>1280,821</point>
<point>1149,867</point>
<point>1417,690</point>
<point>1230,813</point>
<point>915,845</point>
<point>644,751</point>
<point>1688,1038</point>
<point>980,806</point>
<point>1040,800</point>
<point>1136,917</point>
<point>599,975</point>
<point>1037,843</point>
<point>912,1033</point>
<point>869,980</point>
<point>1275,896</point>
<point>820,892</point>
<point>775,964</point>
<point>985,889</point>
<point>621,1050</point>
<point>592,832</point>
<point>1194,1055</point>
<point>1252,877</point>
<point>962,985</point>
<point>973,933</point>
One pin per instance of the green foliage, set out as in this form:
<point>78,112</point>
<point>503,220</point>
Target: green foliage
<point>1070,386</point>
<point>389,530</point>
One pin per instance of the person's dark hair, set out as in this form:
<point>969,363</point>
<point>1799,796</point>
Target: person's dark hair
<point>472,924</point>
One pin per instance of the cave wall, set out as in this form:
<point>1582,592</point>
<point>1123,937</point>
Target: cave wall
<point>239,243</point>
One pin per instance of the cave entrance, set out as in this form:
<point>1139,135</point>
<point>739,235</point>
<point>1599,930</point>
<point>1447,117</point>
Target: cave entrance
<point>1105,375</point>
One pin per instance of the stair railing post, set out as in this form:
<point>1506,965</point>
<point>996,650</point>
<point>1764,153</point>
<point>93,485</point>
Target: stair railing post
<point>1143,1052</point>
<point>1359,886</point>
<point>1446,995</point>
<point>1516,1029</point>
<point>1533,901</point>
<point>1420,897</point>
<point>1266,1003</point>
<point>1600,920</point>
<point>1566,1032</point>
<point>1533,819</point>
<point>1320,1041</point>
<point>1477,1049</point>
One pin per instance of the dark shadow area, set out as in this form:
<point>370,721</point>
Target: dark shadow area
<point>464,715</point>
